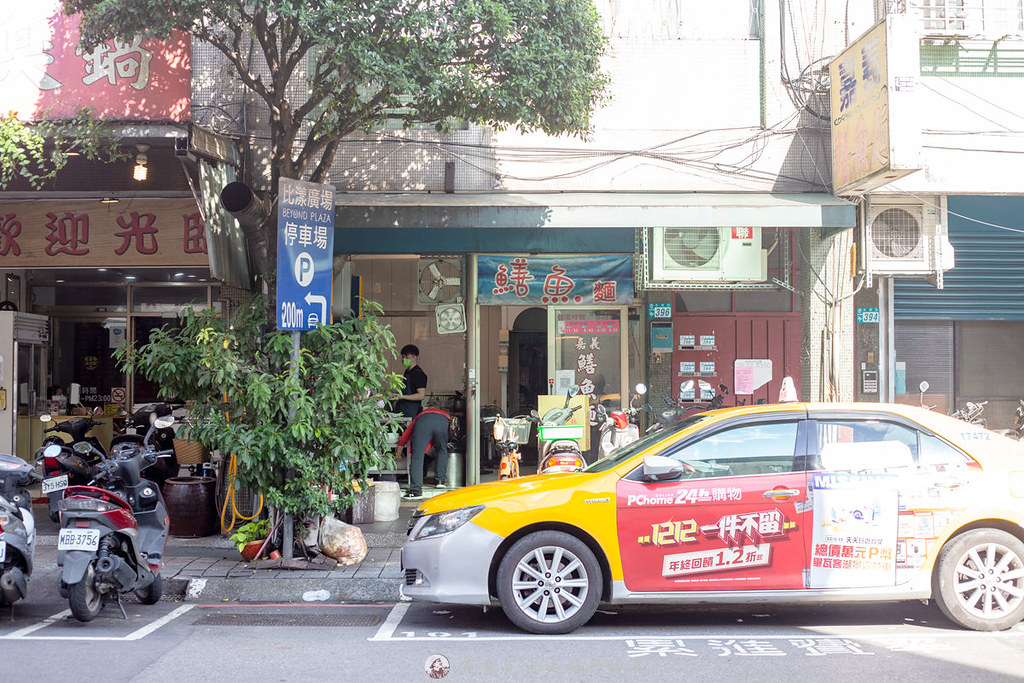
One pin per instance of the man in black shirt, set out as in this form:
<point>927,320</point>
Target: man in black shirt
<point>410,402</point>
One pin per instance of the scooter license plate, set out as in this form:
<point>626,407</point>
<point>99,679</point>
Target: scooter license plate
<point>78,539</point>
<point>54,484</point>
<point>3,550</point>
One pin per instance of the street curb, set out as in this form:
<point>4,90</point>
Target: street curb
<point>212,590</point>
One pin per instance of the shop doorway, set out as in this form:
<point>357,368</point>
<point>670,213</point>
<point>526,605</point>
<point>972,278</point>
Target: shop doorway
<point>528,360</point>
<point>527,372</point>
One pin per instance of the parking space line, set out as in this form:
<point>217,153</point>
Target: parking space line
<point>25,633</point>
<point>394,618</point>
<point>22,632</point>
<point>149,628</point>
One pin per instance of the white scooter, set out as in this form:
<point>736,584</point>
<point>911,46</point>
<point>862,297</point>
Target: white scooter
<point>559,442</point>
<point>618,427</point>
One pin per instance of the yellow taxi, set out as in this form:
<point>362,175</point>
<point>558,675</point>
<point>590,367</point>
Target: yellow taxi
<point>786,503</point>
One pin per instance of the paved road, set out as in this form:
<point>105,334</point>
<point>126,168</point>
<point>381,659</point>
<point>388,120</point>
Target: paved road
<point>175,641</point>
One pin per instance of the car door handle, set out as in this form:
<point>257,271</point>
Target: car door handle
<point>781,493</point>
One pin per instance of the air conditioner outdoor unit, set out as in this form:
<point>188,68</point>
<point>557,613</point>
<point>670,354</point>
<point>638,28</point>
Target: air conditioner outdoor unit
<point>707,254</point>
<point>906,237</point>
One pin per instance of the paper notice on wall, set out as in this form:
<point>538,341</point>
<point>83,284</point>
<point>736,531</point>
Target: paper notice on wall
<point>750,374</point>
<point>563,380</point>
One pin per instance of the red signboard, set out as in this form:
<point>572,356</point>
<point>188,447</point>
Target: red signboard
<point>45,74</point>
<point>69,233</point>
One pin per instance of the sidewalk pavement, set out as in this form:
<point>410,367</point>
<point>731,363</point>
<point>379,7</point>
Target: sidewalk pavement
<point>210,569</point>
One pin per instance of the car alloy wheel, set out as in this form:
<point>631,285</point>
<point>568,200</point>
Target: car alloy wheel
<point>549,582</point>
<point>979,581</point>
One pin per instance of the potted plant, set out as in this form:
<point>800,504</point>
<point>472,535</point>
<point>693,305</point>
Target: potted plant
<point>250,537</point>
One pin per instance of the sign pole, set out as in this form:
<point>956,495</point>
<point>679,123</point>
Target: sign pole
<point>305,259</point>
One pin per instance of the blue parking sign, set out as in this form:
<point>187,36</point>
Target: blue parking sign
<point>305,254</point>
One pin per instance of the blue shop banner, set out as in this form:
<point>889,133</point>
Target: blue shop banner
<point>562,280</point>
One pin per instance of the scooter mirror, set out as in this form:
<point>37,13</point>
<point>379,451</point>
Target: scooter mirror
<point>704,386</point>
<point>534,414</point>
<point>641,389</point>
<point>45,417</point>
<point>82,447</point>
<point>51,451</point>
<point>923,386</point>
<point>686,386</point>
<point>163,422</point>
<point>574,389</point>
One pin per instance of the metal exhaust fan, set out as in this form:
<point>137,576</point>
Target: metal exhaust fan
<point>451,318</point>
<point>440,281</point>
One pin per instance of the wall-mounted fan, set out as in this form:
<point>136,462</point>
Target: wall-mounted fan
<point>451,318</point>
<point>440,281</point>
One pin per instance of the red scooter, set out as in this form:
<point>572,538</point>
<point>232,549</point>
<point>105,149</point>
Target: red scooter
<point>113,532</point>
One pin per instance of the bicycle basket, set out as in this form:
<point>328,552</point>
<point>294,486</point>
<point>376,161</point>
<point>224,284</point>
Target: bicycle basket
<point>519,430</point>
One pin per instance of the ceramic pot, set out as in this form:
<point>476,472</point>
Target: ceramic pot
<point>250,550</point>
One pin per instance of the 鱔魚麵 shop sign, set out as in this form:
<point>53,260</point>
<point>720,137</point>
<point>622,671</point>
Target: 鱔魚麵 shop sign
<point>140,232</point>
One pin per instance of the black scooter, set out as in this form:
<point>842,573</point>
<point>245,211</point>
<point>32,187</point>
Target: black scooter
<point>113,533</point>
<point>17,528</point>
<point>69,469</point>
<point>134,425</point>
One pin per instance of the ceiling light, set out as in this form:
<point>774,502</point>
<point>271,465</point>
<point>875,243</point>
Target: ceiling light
<point>179,275</point>
<point>109,200</point>
<point>141,172</point>
<point>129,277</point>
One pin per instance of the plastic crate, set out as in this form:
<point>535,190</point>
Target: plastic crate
<point>552,432</point>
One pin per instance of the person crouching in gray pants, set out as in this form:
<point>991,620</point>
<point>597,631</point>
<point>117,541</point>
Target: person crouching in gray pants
<point>428,428</point>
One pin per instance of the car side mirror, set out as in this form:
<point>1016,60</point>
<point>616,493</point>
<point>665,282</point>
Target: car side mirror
<point>660,468</point>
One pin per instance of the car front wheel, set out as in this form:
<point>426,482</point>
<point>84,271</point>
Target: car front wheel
<point>979,580</point>
<point>549,582</point>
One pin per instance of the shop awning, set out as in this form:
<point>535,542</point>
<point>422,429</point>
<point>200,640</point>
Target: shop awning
<point>551,222</point>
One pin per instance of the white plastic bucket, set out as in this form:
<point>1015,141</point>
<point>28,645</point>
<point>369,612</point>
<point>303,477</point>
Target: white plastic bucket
<point>386,496</point>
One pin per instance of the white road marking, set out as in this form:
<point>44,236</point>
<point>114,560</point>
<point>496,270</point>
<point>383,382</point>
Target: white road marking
<point>386,633</point>
<point>24,633</point>
<point>149,628</point>
<point>387,629</point>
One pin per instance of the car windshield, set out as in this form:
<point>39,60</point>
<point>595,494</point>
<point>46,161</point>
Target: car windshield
<point>623,454</point>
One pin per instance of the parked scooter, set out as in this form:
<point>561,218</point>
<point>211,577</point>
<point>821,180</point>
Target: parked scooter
<point>134,425</point>
<point>1018,426</point>
<point>618,427</point>
<point>971,412</point>
<point>17,528</point>
<point>676,410</point>
<point>112,535</point>
<point>67,469</point>
<point>559,443</point>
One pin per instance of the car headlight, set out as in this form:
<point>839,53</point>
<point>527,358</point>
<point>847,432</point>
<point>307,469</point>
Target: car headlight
<point>443,523</point>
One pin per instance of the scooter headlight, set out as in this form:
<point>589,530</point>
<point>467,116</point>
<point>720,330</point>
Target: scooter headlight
<point>442,523</point>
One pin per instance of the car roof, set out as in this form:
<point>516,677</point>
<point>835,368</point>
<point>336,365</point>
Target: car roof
<point>969,437</point>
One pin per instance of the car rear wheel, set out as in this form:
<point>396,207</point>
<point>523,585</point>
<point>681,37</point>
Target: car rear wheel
<point>549,582</point>
<point>979,580</point>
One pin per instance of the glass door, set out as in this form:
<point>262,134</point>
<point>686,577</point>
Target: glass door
<point>587,346</point>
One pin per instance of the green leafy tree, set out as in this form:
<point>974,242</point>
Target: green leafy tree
<point>38,151</point>
<point>299,424</point>
<point>533,64</point>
